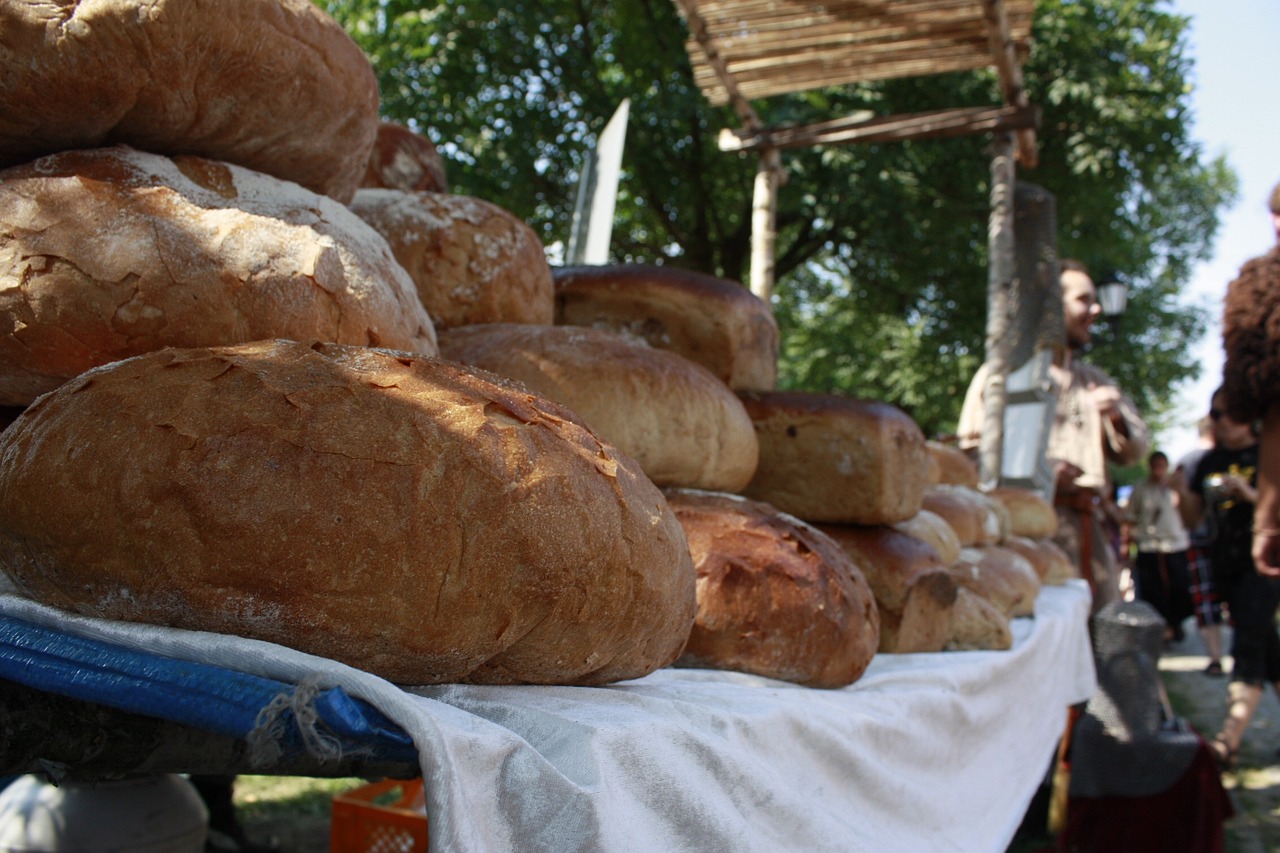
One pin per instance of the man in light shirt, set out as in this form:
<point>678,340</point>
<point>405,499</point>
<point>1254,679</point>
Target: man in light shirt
<point>1153,522</point>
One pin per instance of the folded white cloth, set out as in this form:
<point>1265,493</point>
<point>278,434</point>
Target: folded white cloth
<point>924,752</point>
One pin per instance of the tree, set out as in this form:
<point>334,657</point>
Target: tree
<point>881,248</point>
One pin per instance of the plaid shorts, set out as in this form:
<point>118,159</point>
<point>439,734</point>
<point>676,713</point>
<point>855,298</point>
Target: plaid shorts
<point>1204,593</point>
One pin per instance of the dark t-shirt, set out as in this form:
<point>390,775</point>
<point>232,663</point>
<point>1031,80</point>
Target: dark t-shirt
<point>1230,520</point>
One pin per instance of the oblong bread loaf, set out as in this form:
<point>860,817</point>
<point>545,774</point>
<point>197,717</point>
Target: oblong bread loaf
<point>1001,575</point>
<point>682,424</point>
<point>275,86</point>
<point>912,587</point>
<point>776,597</point>
<point>404,160</point>
<point>113,252</point>
<point>1051,563</point>
<point>399,514</point>
<point>837,459</point>
<point>952,466</point>
<point>976,518</point>
<point>934,529</point>
<point>716,322</point>
<point>1030,514</point>
<point>978,625</point>
<point>472,261</point>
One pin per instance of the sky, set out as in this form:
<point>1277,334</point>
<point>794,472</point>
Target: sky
<point>1236,109</point>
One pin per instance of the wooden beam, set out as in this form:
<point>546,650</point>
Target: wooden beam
<point>930,125</point>
<point>1010,71</point>
<point>698,29</point>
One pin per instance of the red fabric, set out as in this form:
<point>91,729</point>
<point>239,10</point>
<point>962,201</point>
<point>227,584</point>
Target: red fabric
<point>1187,817</point>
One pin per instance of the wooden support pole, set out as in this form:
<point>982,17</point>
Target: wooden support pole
<point>764,218</point>
<point>1001,265</point>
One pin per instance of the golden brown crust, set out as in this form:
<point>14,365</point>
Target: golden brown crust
<point>1030,514</point>
<point>718,323</point>
<point>400,514</point>
<point>934,529</point>
<point>113,252</point>
<point>954,467</point>
<point>977,518</point>
<point>776,597</point>
<point>1001,575</point>
<point>682,424</point>
<point>404,160</point>
<point>912,587</point>
<point>472,261</point>
<point>978,625</point>
<point>831,458</point>
<point>272,85</point>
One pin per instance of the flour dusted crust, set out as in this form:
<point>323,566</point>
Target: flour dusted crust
<point>404,160</point>
<point>272,85</point>
<point>716,322</point>
<point>978,625</point>
<point>682,424</point>
<point>977,518</point>
<point>913,589</point>
<point>776,597</point>
<point>397,513</point>
<point>114,252</point>
<point>472,261</point>
<point>1001,575</point>
<point>934,529</point>
<point>831,458</point>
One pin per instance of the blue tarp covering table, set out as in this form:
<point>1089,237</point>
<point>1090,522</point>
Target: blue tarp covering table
<point>924,752</point>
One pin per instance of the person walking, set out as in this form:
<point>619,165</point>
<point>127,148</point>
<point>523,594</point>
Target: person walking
<point>1153,522</point>
<point>1206,603</point>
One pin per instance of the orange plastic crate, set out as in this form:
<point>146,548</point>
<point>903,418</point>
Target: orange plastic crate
<point>381,817</point>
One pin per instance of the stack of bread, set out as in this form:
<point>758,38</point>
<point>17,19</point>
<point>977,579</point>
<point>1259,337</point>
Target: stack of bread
<point>232,413</point>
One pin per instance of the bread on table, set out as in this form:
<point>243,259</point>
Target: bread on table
<point>776,597</point>
<point>978,625</point>
<point>951,466</point>
<point>976,518</point>
<point>275,86</point>
<point>1001,575</point>
<point>472,261</point>
<point>934,529</point>
<point>112,252</point>
<point>404,160</point>
<point>1050,562</point>
<point>718,323</point>
<point>1030,514</point>
<point>913,589</point>
<point>682,424</point>
<point>836,459</point>
<point>397,513</point>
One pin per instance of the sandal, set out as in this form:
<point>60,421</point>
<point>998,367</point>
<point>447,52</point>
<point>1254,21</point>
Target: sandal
<point>1226,756</point>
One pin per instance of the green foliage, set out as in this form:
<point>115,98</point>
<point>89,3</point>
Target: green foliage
<point>882,249</point>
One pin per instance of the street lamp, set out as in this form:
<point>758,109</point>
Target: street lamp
<point>1113,296</point>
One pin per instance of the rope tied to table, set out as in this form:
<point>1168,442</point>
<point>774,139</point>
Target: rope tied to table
<point>272,727</point>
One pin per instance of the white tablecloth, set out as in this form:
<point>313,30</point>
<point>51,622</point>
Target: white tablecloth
<point>925,752</point>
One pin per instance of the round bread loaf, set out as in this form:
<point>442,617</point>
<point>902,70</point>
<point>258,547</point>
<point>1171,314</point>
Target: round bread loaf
<point>831,458</point>
<point>1001,575</point>
<point>113,252</point>
<point>1030,514</point>
<point>718,323</point>
<point>400,514</point>
<point>404,160</point>
<point>272,85</point>
<point>472,261</point>
<point>976,518</point>
<point>913,589</point>
<point>776,597</point>
<point>1051,563</point>
<point>951,466</point>
<point>978,625</point>
<point>934,529</point>
<point>683,425</point>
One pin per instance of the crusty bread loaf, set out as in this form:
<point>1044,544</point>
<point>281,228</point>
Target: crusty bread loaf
<point>400,514</point>
<point>1030,514</point>
<point>976,518</point>
<point>831,458</point>
<point>913,589</point>
<point>718,323</point>
<point>404,160</point>
<point>1001,575</point>
<point>953,466</point>
<point>1051,563</point>
<point>977,624</point>
<point>113,252</point>
<point>776,597</point>
<point>682,424</point>
<point>472,261</point>
<point>934,529</point>
<point>272,85</point>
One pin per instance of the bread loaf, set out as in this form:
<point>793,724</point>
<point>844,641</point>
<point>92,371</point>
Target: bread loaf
<point>1029,513</point>
<point>718,323</point>
<point>472,261</point>
<point>399,514</point>
<point>1050,562</point>
<point>830,458</point>
<point>272,85</point>
<point>404,160</point>
<point>976,518</point>
<point>977,624</point>
<point>113,252</point>
<point>952,466</point>
<point>776,597</point>
<point>1001,575</point>
<point>934,529</point>
<point>684,426</point>
<point>913,589</point>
